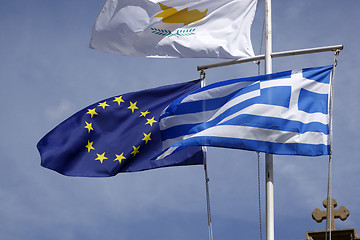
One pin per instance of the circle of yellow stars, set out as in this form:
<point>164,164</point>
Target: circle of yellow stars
<point>133,107</point>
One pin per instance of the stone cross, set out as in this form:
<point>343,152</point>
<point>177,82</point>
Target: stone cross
<point>341,213</point>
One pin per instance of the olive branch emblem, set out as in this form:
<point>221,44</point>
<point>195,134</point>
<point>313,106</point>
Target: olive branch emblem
<point>161,32</point>
<point>178,33</point>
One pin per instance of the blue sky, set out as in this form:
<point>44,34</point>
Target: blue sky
<point>48,72</point>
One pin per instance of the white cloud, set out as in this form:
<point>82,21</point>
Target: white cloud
<point>59,112</point>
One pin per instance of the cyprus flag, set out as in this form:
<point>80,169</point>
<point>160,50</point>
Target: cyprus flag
<point>175,28</point>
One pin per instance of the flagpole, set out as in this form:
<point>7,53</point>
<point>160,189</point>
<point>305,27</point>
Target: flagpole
<point>269,157</point>
<point>203,84</point>
<point>333,48</point>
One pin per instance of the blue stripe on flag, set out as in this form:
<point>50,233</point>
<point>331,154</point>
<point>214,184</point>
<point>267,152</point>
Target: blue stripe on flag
<point>273,76</point>
<point>319,74</point>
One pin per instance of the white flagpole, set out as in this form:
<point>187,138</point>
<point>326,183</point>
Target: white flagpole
<point>269,157</point>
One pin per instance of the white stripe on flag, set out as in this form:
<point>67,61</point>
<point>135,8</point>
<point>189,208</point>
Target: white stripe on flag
<point>217,92</point>
<point>166,153</point>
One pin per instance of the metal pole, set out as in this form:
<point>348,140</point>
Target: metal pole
<point>270,226</point>
<point>269,157</point>
<point>273,55</point>
<point>211,237</point>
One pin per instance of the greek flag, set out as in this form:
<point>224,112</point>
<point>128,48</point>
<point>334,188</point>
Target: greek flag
<point>282,113</point>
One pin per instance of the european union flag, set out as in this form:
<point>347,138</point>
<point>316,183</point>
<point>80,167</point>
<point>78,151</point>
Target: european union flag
<point>119,134</point>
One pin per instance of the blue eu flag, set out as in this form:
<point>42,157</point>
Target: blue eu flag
<point>118,134</point>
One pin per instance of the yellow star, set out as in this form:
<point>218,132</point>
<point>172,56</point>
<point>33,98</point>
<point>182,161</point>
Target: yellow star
<point>133,106</point>
<point>146,138</point>
<point>101,157</point>
<point>103,105</point>
<point>92,112</point>
<point>150,121</point>
<point>119,157</point>
<point>89,146</point>
<point>88,126</point>
<point>136,150</point>
<point>118,100</point>
<point>143,114</point>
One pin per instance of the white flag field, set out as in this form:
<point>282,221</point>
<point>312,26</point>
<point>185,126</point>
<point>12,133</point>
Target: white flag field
<point>284,113</point>
<point>175,28</point>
